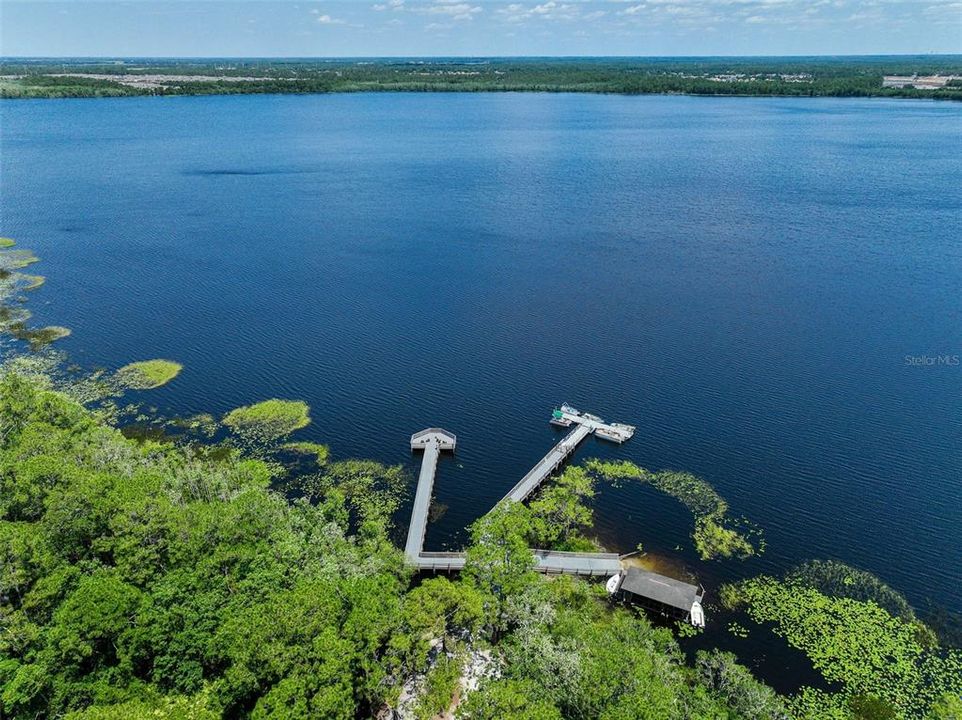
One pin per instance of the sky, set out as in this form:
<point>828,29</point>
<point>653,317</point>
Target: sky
<point>379,28</point>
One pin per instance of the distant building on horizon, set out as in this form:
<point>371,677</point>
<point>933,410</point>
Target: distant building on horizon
<point>927,82</point>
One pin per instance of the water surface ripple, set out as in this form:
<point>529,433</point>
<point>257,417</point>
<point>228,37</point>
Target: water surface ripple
<point>740,278</point>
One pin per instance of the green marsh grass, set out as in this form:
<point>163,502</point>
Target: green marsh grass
<point>269,420</point>
<point>148,374</point>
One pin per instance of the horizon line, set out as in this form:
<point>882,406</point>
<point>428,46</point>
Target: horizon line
<point>468,57</point>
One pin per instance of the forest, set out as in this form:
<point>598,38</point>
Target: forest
<point>801,76</point>
<point>143,578</point>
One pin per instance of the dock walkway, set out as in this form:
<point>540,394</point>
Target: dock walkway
<point>548,464</point>
<point>667,592</point>
<point>432,441</point>
<point>550,562</point>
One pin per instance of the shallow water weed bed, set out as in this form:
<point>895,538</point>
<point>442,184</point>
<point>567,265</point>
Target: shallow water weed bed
<point>319,451</point>
<point>268,420</point>
<point>715,535</point>
<point>855,643</point>
<point>39,337</point>
<point>148,374</point>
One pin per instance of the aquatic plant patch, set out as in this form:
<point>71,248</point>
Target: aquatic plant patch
<point>715,535</point>
<point>148,374</point>
<point>31,282</point>
<point>320,452</point>
<point>269,420</point>
<point>856,643</point>
<point>38,337</point>
<point>831,577</point>
<point>11,260</point>
<point>13,316</point>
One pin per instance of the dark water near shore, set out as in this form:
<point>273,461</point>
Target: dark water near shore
<point>740,278</point>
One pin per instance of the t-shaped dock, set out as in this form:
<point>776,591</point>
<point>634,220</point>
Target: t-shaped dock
<point>432,441</point>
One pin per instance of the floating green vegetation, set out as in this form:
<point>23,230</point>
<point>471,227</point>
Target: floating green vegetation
<point>837,579</point>
<point>713,539</point>
<point>11,260</point>
<point>373,491</point>
<point>269,420</point>
<point>738,630</point>
<point>148,374</point>
<point>716,535</point>
<point>38,337</point>
<point>203,424</point>
<point>319,451</point>
<point>882,660</point>
<point>13,316</point>
<point>436,511</point>
<point>6,242</point>
<point>31,282</point>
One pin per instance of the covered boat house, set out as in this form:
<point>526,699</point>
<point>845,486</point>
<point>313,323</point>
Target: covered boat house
<point>658,592</point>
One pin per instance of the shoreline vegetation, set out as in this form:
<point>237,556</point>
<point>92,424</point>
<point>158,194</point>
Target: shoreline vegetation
<point>210,574</point>
<point>716,535</point>
<point>856,76</point>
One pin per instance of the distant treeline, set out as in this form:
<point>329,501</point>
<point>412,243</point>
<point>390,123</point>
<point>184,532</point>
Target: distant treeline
<point>812,76</point>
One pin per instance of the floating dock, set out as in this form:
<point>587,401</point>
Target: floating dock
<point>614,432</point>
<point>585,424</point>
<point>657,590</point>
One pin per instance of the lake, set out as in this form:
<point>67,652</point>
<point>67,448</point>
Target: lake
<point>747,280</point>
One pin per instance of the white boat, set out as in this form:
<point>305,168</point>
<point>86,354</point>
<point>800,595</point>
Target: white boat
<point>614,582</point>
<point>697,616</point>
<point>606,432</point>
<point>566,408</point>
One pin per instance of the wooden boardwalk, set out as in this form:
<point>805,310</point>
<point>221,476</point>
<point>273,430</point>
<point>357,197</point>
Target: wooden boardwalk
<point>548,464</point>
<point>432,441</point>
<point>664,591</point>
<point>550,562</point>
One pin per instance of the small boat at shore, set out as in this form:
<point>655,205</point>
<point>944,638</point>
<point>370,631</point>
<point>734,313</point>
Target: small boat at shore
<point>697,615</point>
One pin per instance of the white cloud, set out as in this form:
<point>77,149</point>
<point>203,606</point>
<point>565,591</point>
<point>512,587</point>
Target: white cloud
<point>550,10</point>
<point>453,9</point>
<point>328,20</point>
<point>390,5</point>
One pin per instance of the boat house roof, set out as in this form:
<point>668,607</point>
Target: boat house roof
<point>659,588</point>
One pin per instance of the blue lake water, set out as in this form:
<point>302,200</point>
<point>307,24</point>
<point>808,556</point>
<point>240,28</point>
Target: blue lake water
<point>740,278</point>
